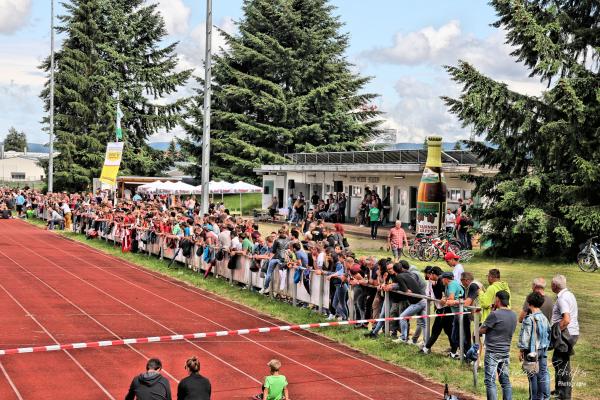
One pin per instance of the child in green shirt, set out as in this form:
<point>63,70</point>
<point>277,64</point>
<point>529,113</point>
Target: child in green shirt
<point>275,387</point>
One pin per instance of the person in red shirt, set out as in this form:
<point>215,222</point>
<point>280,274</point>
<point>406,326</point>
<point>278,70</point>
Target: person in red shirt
<point>397,239</point>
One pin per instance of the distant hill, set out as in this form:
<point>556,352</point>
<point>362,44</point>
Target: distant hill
<point>41,148</point>
<point>418,146</point>
<point>162,146</point>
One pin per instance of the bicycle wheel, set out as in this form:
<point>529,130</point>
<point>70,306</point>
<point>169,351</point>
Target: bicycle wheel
<point>456,244</point>
<point>427,253</point>
<point>413,251</point>
<point>586,262</point>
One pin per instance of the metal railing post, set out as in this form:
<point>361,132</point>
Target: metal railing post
<point>321,291</point>
<point>351,309</point>
<point>230,270</point>
<point>272,283</point>
<point>250,273</point>
<point>427,322</point>
<point>461,330</point>
<point>476,317</point>
<point>294,290</point>
<point>386,305</point>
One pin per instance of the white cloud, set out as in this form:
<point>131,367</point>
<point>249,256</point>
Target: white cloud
<point>176,15</point>
<point>447,44</point>
<point>13,15</point>
<point>22,108</point>
<point>420,112</point>
<point>191,48</point>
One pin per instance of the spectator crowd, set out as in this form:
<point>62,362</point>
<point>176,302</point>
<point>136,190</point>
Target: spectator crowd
<point>311,246</point>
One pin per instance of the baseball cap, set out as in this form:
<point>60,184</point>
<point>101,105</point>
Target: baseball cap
<point>447,275</point>
<point>451,256</point>
<point>428,269</point>
<point>355,269</point>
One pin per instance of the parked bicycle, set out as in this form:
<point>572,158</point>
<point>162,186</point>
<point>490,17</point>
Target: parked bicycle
<point>588,258</point>
<point>427,247</point>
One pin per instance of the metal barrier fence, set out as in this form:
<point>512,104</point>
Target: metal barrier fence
<point>282,283</point>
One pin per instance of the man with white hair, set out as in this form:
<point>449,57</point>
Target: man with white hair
<point>564,313</point>
<point>538,285</point>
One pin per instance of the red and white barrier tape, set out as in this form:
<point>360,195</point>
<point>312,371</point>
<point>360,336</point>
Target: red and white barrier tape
<point>173,338</point>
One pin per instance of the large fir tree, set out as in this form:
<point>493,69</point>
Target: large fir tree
<point>111,47</point>
<point>546,198</point>
<point>284,85</point>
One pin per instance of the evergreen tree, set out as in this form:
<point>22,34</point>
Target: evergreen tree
<point>111,47</point>
<point>283,86</point>
<point>15,140</point>
<point>546,198</point>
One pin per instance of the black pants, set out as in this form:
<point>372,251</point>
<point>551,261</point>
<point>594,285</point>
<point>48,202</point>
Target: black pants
<point>374,226</point>
<point>441,324</point>
<point>562,371</point>
<point>370,295</point>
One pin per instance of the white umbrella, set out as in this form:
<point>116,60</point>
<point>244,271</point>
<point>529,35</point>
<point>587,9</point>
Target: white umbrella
<point>243,187</point>
<point>184,188</point>
<point>217,187</point>
<point>153,187</point>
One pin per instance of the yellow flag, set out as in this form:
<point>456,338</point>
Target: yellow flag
<point>112,161</point>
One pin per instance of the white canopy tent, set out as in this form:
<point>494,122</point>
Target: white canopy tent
<point>243,187</point>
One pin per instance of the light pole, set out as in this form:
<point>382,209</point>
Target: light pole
<point>206,109</point>
<point>51,154</point>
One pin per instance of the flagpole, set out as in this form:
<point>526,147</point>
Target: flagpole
<point>206,109</point>
<point>51,139</point>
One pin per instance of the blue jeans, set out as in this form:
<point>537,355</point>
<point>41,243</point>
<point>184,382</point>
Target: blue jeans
<point>394,312</point>
<point>413,309</point>
<point>340,301</point>
<point>497,363</point>
<point>273,262</point>
<point>539,384</point>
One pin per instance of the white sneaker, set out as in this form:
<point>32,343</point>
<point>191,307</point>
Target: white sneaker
<point>454,356</point>
<point>264,291</point>
<point>400,340</point>
<point>425,350</point>
<point>330,317</point>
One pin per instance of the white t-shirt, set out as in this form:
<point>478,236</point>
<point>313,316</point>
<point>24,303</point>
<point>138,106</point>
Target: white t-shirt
<point>66,209</point>
<point>450,219</point>
<point>566,303</point>
<point>236,244</point>
<point>457,271</point>
<point>321,260</point>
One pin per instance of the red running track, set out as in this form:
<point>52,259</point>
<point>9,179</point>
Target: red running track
<point>54,290</point>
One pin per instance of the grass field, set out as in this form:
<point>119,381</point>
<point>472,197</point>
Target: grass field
<point>518,274</point>
<point>250,201</point>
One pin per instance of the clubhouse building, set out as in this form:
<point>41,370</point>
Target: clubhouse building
<point>393,172</point>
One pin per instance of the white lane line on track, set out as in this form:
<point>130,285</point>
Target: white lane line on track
<point>145,316</point>
<point>190,311</point>
<point>56,341</point>
<point>84,313</point>
<point>211,298</point>
<point>10,382</point>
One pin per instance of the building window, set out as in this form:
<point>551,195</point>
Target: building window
<point>18,175</point>
<point>454,194</point>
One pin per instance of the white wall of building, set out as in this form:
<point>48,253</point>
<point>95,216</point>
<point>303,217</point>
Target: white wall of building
<point>23,169</point>
<point>400,186</point>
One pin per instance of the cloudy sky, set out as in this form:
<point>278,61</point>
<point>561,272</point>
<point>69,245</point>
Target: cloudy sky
<point>402,44</point>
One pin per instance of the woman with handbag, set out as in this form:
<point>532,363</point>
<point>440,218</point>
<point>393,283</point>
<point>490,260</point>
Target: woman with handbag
<point>534,340</point>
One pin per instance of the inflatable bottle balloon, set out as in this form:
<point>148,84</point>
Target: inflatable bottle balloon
<point>431,198</point>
